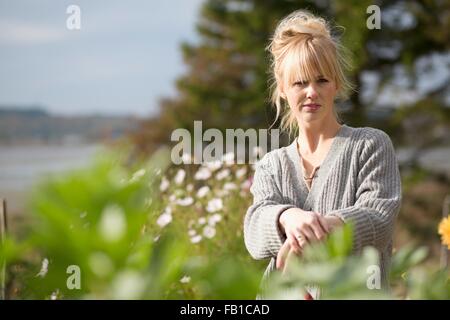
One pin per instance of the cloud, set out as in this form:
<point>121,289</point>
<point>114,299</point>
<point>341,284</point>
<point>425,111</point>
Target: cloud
<point>23,33</point>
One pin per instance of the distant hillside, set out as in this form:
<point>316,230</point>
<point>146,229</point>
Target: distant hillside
<point>33,125</point>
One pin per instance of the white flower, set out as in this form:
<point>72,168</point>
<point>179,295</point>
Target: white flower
<point>241,172</point>
<point>213,165</point>
<point>112,223</point>
<point>185,279</point>
<point>212,220</point>
<point>185,202</point>
<point>202,220</point>
<point>190,187</point>
<point>196,239</point>
<point>137,175</point>
<point>54,295</point>
<point>203,191</point>
<point>179,178</point>
<point>44,268</point>
<point>191,233</point>
<point>172,198</point>
<point>209,231</point>
<point>164,184</point>
<point>202,174</point>
<point>214,205</point>
<point>228,158</point>
<point>186,158</point>
<point>223,174</point>
<point>230,186</point>
<point>165,218</point>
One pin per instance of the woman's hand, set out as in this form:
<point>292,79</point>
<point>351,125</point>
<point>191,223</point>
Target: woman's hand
<point>331,222</point>
<point>303,227</point>
<point>283,255</point>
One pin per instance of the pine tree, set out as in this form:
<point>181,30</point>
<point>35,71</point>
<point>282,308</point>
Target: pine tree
<point>227,79</point>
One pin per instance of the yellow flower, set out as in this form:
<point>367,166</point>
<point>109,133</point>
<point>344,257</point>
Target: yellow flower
<point>444,231</point>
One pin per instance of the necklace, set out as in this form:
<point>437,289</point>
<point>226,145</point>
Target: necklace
<point>308,179</point>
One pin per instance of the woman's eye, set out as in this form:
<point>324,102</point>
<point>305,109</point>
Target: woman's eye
<point>323,80</point>
<point>300,83</point>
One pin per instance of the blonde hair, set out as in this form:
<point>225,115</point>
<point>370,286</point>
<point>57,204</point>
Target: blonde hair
<point>302,45</point>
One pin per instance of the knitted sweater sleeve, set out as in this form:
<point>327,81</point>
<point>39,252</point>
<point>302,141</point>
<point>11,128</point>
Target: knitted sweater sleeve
<point>378,194</point>
<point>262,236</point>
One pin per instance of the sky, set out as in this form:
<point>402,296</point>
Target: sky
<point>123,59</point>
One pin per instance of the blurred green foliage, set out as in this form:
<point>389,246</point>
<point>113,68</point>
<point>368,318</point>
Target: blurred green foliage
<point>159,232</point>
<point>339,274</point>
<point>101,221</point>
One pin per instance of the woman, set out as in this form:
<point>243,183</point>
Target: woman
<point>332,173</point>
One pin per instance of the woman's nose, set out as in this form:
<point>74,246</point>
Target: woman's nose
<point>311,91</point>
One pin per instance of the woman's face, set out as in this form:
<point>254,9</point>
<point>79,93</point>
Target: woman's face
<point>311,100</point>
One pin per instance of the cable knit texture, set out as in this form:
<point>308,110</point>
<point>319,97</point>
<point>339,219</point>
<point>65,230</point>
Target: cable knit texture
<point>358,181</point>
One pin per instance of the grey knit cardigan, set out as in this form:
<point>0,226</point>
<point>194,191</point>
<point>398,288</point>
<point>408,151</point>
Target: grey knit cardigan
<point>358,181</point>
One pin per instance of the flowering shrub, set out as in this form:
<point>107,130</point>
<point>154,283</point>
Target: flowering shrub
<point>109,233</point>
<point>207,203</point>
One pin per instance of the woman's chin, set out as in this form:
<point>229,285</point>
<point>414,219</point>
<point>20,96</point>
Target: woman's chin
<point>311,117</point>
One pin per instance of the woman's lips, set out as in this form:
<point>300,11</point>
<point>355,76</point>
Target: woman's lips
<point>311,106</point>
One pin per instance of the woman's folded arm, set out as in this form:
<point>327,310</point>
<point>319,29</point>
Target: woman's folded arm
<point>262,234</point>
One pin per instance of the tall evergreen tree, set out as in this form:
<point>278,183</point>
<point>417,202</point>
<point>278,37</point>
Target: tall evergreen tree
<point>227,81</point>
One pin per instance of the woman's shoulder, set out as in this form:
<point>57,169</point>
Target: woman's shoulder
<point>273,160</point>
<point>369,135</point>
<point>369,141</point>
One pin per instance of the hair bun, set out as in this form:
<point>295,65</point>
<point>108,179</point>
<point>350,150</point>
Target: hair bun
<point>302,22</point>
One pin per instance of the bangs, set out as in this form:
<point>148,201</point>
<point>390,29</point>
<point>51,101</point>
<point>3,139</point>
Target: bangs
<point>307,60</point>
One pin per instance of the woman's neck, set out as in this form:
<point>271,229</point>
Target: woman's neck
<point>313,135</point>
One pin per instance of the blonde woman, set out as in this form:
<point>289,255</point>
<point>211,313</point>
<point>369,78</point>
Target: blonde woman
<point>332,173</point>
